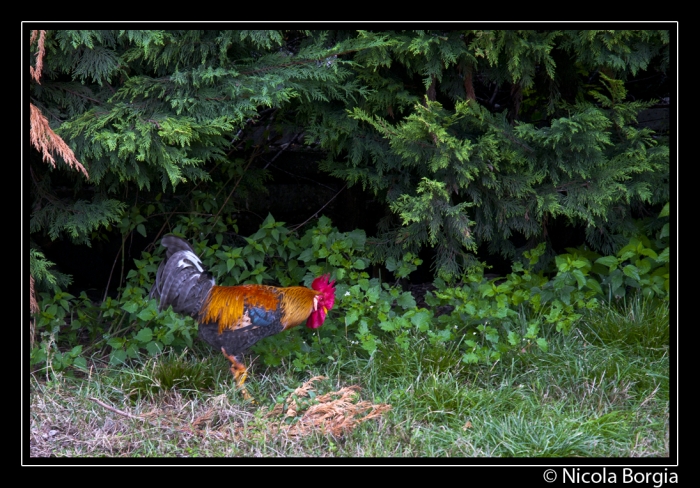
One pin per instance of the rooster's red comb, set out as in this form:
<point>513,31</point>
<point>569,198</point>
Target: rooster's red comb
<point>323,283</point>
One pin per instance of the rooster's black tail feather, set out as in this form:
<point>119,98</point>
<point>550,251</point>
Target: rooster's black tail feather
<point>181,281</point>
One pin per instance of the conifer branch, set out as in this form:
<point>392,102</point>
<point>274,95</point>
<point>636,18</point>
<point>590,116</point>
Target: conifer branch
<point>47,141</point>
<point>80,95</point>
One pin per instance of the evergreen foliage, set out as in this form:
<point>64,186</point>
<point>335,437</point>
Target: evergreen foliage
<point>471,138</point>
<point>459,171</point>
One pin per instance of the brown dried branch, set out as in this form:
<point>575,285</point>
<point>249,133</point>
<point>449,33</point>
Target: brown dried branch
<point>35,72</point>
<point>46,141</point>
<point>33,305</point>
<point>167,422</point>
<point>432,92</point>
<point>115,410</point>
<point>317,211</point>
<point>33,308</point>
<point>42,137</point>
<point>468,84</point>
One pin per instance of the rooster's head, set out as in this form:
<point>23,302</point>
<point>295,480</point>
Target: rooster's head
<point>323,302</point>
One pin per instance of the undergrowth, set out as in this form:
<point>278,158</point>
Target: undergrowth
<point>487,320</point>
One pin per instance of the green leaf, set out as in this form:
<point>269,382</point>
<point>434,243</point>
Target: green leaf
<point>359,264</point>
<point>115,342</point>
<point>369,344</point>
<point>648,252</point>
<point>594,285</point>
<point>351,317</point>
<point>132,350</point>
<point>154,348</point>
<point>307,255</point>
<point>388,326</point>
<point>609,261</point>
<point>80,363</point>
<point>513,338</point>
<point>470,358</point>
<point>269,222</point>
<point>358,237</point>
<point>144,335</point>
<point>147,314</point>
<point>406,300</point>
<point>421,319</point>
<point>645,265</point>
<point>580,278</point>
<point>616,281</point>
<point>492,335</point>
<point>562,263</point>
<point>533,329</point>
<point>117,357</point>
<point>631,271</point>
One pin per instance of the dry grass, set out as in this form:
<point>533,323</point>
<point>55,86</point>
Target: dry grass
<point>70,422</point>
<point>336,413</point>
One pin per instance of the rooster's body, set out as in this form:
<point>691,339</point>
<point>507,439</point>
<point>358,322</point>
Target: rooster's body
<point>233,318</point>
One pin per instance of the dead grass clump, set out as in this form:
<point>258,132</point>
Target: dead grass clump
<point>334,413</point>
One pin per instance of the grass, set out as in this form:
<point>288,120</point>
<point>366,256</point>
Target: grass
<point>602,391</point>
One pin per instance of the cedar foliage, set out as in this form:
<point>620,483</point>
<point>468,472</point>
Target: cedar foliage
<point>469,137</point>
<point>460,171</point>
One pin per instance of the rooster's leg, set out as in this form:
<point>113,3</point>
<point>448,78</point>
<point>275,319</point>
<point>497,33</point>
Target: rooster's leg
<point>240,373</point>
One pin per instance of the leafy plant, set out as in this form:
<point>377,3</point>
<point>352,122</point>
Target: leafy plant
<point>642,265</point>
<point>484,320</point>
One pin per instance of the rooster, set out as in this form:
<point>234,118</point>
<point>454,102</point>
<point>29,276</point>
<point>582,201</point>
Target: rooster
<point>233,318</point>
